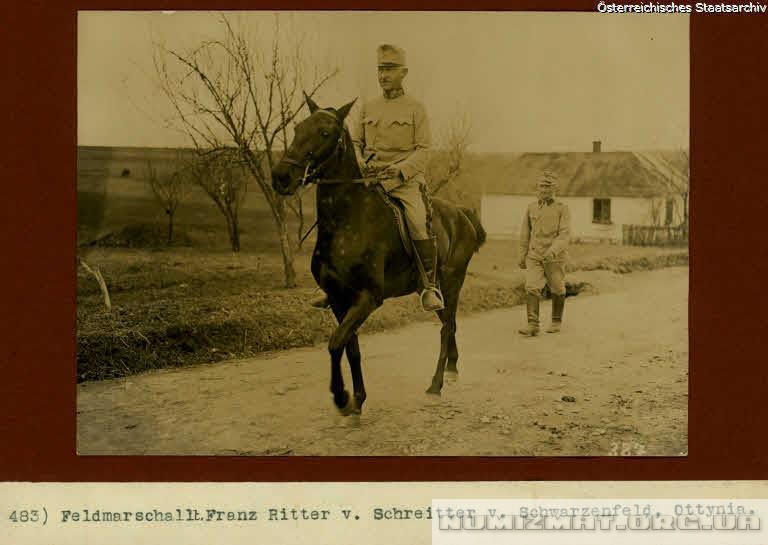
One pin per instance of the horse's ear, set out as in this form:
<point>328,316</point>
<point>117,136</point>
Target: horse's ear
<point>342,112</point>
<point>311,103</point>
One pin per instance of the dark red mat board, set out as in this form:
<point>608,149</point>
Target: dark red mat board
<point>728,411</point>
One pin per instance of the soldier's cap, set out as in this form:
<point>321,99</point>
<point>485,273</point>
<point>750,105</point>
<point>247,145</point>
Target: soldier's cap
<point>390,55</point>
<point>548,179</point>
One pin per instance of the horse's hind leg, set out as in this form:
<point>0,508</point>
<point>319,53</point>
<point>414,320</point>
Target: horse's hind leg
<point>340,395</point>
<point>453,350</point>
<point>445,336</point>
<point>448,351</point>
<point>453,355</point>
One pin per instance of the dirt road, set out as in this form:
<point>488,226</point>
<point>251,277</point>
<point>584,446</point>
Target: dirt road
<point>614,381</point>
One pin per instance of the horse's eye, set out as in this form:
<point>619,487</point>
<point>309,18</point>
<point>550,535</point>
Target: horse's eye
<point>325,134</point>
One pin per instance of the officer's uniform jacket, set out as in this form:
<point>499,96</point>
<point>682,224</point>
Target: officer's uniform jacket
<point>396,131</point>
<point>546,226</point>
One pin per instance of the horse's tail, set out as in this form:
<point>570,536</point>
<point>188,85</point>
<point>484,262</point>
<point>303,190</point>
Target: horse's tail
<point>474,219</point>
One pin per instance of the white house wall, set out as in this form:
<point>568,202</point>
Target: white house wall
<point>502,215</point>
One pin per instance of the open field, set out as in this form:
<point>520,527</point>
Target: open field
<point>107,205</point>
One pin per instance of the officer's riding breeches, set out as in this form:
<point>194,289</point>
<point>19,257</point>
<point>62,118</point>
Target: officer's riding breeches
<point>538,273</point>
<point>409,193</point>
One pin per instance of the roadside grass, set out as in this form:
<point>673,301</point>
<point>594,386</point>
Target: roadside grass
<point>187,305</point>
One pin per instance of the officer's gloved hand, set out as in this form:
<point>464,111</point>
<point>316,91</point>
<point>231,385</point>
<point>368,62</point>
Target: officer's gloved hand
<point>369,172</point>
<point>390,173</point>
<point>522,264</point>
<point>372,168</point>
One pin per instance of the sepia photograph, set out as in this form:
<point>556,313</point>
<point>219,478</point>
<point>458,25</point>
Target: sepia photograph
<point>361,233</point>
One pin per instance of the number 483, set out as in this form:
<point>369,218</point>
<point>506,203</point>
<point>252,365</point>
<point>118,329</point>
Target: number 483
<point>25,516</point>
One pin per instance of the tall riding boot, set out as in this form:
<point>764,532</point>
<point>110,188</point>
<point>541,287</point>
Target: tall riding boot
<point>532,307</point>
<point>558,304</point>
<point>431,298</point>
<point>320,302</point>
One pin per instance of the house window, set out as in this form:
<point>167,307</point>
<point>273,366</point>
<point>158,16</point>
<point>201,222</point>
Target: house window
<point>670,211</point>
<point>601,211</point>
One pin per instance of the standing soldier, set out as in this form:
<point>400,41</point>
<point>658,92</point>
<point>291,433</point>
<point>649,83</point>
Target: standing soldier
<point>391,140</point>
<point>544,238</point>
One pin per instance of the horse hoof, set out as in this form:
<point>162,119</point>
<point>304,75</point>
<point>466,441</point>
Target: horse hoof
<point>433,390</point>
<point>350,408</point>
<point>451,376</point>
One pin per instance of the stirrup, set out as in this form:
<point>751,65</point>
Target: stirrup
<point>437,293</point>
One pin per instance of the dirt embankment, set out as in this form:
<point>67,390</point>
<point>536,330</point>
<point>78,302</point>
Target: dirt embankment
<point>198,319</point>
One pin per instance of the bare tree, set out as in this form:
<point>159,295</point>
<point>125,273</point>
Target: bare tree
<point>91,208</point>
<point>223,177</point>
<point>654,211</point>
<point>678,185</point>
<point>169,187</point>
<point>451,149</point>
<point>243,92</point>
<point>684,186</point>
<point>296,206</point>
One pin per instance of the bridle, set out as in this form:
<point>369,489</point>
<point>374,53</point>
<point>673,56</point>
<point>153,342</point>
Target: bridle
<point>311,171</point>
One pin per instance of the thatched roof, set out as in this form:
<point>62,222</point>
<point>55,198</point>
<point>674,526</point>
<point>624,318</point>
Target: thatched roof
<point>608,174</point>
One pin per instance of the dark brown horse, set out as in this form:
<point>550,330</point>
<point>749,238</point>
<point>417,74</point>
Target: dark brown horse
<point>359,259</point>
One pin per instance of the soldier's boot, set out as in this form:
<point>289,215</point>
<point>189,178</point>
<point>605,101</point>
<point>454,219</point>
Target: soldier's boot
<point>532,307</point>
<point>431,298</point>
<point>320,302</point>
<point>558,304</point>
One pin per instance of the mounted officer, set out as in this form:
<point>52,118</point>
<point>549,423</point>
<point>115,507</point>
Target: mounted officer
<point>544,238</point>
<point>391,140</point>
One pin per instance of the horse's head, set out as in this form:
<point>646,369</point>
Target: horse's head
<point>316,139</point>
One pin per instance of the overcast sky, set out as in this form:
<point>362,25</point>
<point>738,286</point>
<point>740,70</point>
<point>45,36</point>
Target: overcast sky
<point>527,81</point>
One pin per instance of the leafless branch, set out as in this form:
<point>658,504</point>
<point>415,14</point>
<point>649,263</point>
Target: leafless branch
<point>450,153</point>
<point>231,93</point>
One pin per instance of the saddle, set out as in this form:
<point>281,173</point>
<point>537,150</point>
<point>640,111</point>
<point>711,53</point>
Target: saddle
<point>408,244</point>
<point>399,216</point>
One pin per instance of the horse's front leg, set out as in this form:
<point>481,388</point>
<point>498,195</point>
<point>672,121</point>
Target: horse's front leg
<point>345,337</point>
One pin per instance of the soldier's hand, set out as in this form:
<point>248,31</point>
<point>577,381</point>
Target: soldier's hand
<point>368,169</point>
<point>374,165</point>
<point>522,264</point>
<point>389,173</point>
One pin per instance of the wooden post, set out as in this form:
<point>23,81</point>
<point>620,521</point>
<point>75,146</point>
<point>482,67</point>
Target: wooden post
<point>96,273</point>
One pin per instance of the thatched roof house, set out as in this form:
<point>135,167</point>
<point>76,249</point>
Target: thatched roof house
<point>610,174</point>
<point>604,190</point>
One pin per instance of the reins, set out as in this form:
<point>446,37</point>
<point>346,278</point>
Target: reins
<point>311,173</point>
<point>325,181</point>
